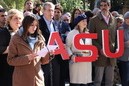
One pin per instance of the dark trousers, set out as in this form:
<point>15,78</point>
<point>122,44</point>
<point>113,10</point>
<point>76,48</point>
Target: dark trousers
<point>64,72</point>
<point>55,73</point>
<point>124,72</point>
<point>6,72</point>
<point>78,84</point>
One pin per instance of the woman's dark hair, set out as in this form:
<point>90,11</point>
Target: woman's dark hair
<point>26,23</point>
<point>72,17</point>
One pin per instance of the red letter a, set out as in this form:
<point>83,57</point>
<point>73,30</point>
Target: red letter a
<point>55,39</point>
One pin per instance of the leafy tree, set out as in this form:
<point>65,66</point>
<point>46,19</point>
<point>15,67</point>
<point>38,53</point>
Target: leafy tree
<point>117,5</point>
<point>9,4</point>
<point>19,4</point>
<point>69,5</point>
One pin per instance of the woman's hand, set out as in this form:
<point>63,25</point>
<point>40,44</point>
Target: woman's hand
<point>73,58</point>
<point>52,52</point>
<point>32,56</point>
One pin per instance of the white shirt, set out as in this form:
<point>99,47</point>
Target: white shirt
<point>49,25</point>
<point>106,18</point>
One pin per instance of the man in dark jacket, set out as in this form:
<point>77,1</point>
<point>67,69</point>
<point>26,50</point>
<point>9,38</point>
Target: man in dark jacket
<point>104,21</point>
<point>5,69</point>
<point>46,23</point>
<point>63,28</point>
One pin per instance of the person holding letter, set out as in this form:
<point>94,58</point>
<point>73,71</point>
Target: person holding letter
<point>47,26</point>
<point>80,72</point>
<point>123,61</point>
<point>23,49</point>
<point>104,64</point>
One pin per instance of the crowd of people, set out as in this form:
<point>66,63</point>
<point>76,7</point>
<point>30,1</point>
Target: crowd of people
<point>25,33</point>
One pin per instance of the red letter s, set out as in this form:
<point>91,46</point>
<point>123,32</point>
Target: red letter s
<point>93,49</point>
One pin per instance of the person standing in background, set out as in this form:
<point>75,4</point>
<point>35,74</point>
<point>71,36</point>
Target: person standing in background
<point>28,6</point>
<point>80,72</point>
<point>123,61</point>
<point>63,28</point>
<point>76,12</point>
<point>104,65</point>
<point>14,20</point>
<point>66,18</point>
<point>5,70</point>
<point>47,26</point>
<point>37,9</point>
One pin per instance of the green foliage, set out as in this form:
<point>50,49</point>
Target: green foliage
<point>9,4</point>
<point>69,5</point>
<point>19,4</point>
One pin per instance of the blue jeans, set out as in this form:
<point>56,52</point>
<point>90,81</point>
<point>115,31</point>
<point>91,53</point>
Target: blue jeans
<point>124,72</point>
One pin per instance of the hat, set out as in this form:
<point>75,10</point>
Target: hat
<point>126,15</point>
<point>79,18</point>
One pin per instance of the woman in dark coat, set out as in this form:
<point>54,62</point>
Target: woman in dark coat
<point>5,69</point>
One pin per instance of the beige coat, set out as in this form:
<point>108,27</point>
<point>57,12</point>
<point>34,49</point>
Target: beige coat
<point>26,73</point>
<point>80,72</point>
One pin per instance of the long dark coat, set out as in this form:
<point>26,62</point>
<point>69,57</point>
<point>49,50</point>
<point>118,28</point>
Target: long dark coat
<point>5,70</point>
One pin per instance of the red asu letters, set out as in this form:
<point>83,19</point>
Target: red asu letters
<point>55,39</point>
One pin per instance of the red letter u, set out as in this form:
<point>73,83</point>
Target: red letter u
<point>106,46</point>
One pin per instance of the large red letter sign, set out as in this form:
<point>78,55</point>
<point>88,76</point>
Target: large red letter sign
<point>55,39</point>
<point>93,49</point>
<point>120,43</point>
